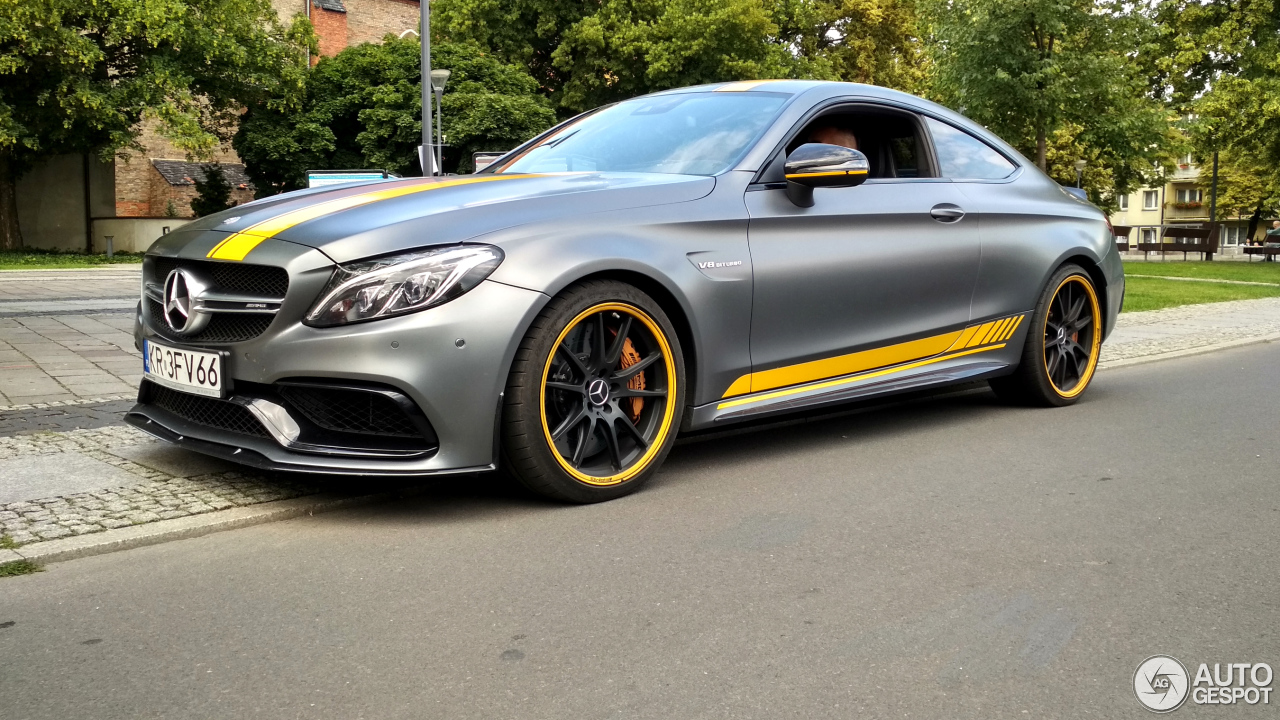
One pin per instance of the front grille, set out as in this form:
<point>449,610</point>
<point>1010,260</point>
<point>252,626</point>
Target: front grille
<point>222,327</point>
<point>209,412</point>
<point>233,278</point>
<point>353,411</point>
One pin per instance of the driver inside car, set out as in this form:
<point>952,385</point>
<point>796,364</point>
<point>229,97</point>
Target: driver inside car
<point>834,135</point>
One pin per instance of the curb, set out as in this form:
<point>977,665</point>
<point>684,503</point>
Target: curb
<point>1201,350</point>
<point>81,546</point>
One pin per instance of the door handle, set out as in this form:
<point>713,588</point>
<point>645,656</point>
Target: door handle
<point>946,213</point>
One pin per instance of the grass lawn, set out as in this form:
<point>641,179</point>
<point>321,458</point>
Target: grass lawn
<point>1153,293</point>
<point>52,260</point>
<point>1252,272</point>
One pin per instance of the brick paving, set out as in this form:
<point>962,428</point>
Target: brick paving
<point>154,495</point>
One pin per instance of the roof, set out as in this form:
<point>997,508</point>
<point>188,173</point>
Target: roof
<point>181,172</point>
<point>334,5</point>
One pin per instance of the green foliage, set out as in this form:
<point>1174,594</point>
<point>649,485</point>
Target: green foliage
<point>362,108</point>
<point>33,259</point>
<point>633,47</point>
<point>170,209</point>
<point>19,567</point>
<point>866,41</point>
<point>1052,77</point>
<point>213,192</point>
<point>78,75</point>
<point>587,53</point>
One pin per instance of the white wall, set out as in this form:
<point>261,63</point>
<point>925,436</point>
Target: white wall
<point>131,234</point>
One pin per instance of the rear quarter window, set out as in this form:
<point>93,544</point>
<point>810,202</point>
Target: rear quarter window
<point>962,156</point>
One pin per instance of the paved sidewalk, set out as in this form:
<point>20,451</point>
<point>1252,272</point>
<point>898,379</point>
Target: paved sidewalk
<point>69,467</point>
<point>66,336</point>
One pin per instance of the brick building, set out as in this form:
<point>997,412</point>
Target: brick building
<point>69,205</point>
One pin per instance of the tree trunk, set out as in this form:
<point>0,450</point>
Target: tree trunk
<point>10,233</point>
<point>1042,149</point>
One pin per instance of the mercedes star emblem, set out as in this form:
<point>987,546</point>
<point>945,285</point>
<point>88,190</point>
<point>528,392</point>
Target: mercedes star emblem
<point>180,289</point>
<point>598,391</point>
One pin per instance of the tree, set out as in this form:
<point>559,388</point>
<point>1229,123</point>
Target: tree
<point>866,41</point>
<point>633,47</point>
<point>213,192</point>
<point>1043,72</point>
<point>521,32</point>
<point>362,108</point>
<point>1219,63</point>
<point>79,76</point>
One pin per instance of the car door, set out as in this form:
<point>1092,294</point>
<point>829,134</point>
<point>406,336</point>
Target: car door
<point>887,263</point>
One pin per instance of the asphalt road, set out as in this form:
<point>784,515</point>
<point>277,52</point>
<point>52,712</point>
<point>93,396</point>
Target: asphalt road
<point>950,558</point>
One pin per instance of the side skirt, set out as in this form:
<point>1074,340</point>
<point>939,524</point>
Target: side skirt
<point>838,390</point>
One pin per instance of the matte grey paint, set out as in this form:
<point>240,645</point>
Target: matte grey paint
<point>865,267</point>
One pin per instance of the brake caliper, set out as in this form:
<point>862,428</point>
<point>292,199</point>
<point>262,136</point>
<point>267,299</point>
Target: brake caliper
<point>631,357</point>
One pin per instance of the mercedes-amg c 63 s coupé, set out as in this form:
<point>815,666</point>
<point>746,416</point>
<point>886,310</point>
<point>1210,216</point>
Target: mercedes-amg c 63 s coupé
<point>675,262</point>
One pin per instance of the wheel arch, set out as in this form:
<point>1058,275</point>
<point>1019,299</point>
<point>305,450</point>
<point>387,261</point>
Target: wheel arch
<point>1096,275</point>
<point>670,305</point>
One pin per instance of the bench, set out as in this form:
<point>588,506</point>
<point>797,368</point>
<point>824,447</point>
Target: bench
<point>1202,240</point>
<point>1121,234</point>
<point>1264,251</point>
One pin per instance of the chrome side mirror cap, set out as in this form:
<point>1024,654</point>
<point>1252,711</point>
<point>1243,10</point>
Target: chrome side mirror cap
<point>816,165</point>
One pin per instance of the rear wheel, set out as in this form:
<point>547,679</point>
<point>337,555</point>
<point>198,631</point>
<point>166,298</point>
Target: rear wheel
<point>1062,346</point>
<point>591,402</point>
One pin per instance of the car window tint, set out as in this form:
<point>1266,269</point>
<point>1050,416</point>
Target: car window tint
<point>961,156</point>
<point>687,134</point>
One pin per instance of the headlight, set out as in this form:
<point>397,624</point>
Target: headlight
<point>401,284</point>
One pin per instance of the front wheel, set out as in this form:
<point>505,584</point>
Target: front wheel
<point>1062,346</point>
<point>592,400</point>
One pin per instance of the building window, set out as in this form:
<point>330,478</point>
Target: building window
<point>1149,235</point>
<point>1186,159</point>
<point>1233,235</point>
<point>1124,202</point>
<point>1186,195</point>
<point>1150,200</point>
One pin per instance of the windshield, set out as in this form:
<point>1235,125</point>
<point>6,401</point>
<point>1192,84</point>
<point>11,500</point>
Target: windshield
<point>687,134</point>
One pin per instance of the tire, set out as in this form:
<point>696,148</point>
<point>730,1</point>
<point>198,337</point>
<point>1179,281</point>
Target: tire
<point>1063,342</point>
<point>584,421</point>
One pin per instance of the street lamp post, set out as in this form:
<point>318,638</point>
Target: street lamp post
<point>438,80</point>
<point>426,153</point>
<point>1079,165</point>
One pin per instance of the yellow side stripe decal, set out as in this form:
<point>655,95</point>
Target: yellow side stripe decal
<point>238,245</point>
<point>858,378</point>
<point>1012,329</point>
<point>890,355</point>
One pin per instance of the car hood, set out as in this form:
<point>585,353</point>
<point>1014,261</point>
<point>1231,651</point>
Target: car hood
<point>350,222</point>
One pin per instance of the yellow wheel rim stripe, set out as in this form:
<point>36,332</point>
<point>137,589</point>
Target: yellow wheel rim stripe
<point>1095,343</point>
<point>669,410</point>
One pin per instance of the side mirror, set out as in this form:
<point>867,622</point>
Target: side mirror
<point>817,165</point>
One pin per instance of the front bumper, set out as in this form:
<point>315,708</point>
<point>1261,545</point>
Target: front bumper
<point>451,361</point>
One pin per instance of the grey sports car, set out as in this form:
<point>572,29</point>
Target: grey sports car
<point>680,261</point>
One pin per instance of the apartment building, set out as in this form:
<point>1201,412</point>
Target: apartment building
<point>1182,201</point>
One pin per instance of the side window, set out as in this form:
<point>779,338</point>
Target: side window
<point>888,138</point>
<point>961,156</point>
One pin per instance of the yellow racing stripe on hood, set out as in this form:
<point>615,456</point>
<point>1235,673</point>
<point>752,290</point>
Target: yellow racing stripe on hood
<point>239,244</point>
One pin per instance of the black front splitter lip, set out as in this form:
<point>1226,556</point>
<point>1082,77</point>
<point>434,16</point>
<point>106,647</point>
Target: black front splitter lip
<point>240,449</point>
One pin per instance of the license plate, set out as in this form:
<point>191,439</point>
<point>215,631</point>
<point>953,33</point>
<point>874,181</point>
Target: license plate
<point>190,371</point>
